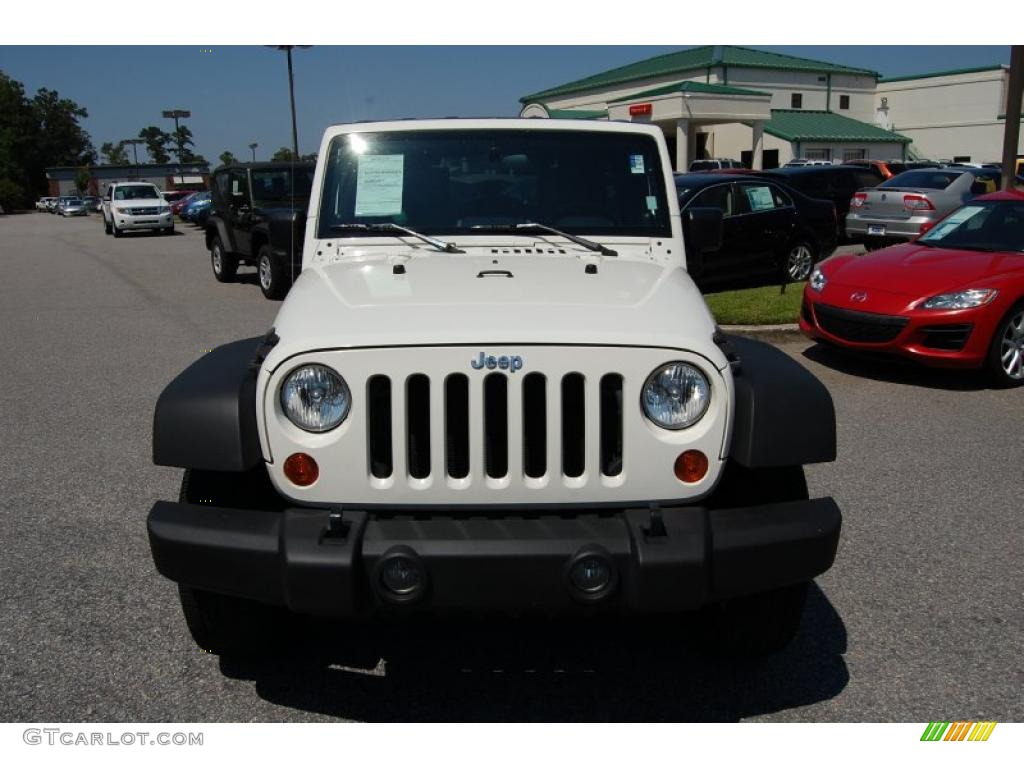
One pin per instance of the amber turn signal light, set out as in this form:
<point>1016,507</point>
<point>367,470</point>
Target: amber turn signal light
<point>691,466</point>
<point>301,469</point>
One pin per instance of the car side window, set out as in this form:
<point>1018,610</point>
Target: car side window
<point>719,197</point>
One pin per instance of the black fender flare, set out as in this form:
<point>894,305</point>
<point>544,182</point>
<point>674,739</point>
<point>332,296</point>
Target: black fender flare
<point>206,417</point>
<point>215,225</point>
<point>784,416</point>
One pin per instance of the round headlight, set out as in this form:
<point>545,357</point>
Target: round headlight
<point>676,396</point>
<point>315,398</point>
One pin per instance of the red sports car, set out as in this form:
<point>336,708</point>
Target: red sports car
<point>954,297</point>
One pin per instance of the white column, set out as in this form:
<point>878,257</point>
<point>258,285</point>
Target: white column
<point>682,145</point>
<point>757,146</point>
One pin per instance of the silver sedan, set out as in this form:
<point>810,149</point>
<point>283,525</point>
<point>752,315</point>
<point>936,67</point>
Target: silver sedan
<point>72,206</point>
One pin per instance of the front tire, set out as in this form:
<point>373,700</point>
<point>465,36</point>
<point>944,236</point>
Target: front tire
<point>106,226</point>
<point>113,226</point>
<point>223,624</point>
<point>224,265</point>
<point>1005,362</point>
<point>273,280</point>
<point>764,623</point>
<point>800,259</point>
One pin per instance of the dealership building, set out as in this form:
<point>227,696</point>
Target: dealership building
<point>767,108</point>
<point>167,177</point>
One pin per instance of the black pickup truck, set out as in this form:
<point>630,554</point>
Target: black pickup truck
<point>259,219</point>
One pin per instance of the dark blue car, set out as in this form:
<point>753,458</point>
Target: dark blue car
<point>198,209</point>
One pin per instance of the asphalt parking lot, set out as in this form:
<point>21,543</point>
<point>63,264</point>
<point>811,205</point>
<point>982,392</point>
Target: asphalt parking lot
<point>921,618</point>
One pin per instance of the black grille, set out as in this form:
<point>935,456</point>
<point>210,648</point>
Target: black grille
<point>378,397</point>
<point>573,425</point>
<point>456,409</point>
<point>535,426</point>
<point>496,424</point>
<point>611,425</point>
<point>946,337</point>
<point>864,327</point>
<point>417,417</point>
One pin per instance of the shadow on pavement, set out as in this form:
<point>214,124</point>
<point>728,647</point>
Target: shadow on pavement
<point>547,671</point>
<point>894,370</point>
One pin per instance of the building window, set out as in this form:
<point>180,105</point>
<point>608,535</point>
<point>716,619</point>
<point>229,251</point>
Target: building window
<point>844,102</point>
<point>818,154</point>
<point>796,100</point>
<point>854,154</point>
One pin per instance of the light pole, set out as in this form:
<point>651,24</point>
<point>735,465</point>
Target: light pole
<point>253,148</point>
<point>291,92</point>
<point>176,114</point>
<point>135,152</point>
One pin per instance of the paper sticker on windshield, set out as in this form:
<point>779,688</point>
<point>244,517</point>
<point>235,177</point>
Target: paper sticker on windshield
<point>652,203</point>
<point>636,163</point>
<point>379,185</point>
<point>760,198</point>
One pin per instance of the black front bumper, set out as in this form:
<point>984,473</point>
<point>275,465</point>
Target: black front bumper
<point>676,558</point>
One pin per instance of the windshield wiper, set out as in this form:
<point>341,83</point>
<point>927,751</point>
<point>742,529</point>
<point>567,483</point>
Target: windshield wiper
<point>441,245</point>
<point>588,244</point>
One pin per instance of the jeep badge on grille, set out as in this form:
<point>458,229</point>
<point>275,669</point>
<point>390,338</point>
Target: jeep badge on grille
<point>511,363</point>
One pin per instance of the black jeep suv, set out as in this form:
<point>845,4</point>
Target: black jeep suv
<point>259,218</point>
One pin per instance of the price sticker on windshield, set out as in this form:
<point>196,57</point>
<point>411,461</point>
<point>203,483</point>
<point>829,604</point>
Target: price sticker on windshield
<point>379,185</point>
<point>636,164</point>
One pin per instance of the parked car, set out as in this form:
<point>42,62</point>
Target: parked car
<point>93,203</point>
<point>172,196</point>
<point>768,230</point>
<point>135,205</point>
<point>179,205</point>
<point>836,183</point>
<point>43,203</point>
<point>953,297</point>
<point>714,164</point>
<point>55,209</point>
<point>258,218</point>
<point>494,388</point>
<point>886,168</point>
<point>904,206</point>
<point>72,206</point>
<point>194,208</point>
<point>51,204</point>
<point>800,162</point>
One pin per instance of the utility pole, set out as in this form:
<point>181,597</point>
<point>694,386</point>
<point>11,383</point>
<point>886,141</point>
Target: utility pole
<point>253,148</point>
<point>291,93</point>
<point>135,152</point>
<point>175,114</point>
<point>1011,133</point>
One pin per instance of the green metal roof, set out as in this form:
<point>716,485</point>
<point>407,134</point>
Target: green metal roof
<point>812,125</point>
<point>576,114</point>
<point>945,73</point>
<point>694,59</point>
<point>691,86</point>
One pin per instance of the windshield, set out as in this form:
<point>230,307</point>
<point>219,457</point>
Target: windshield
<point>136,193</point>
<point>453,182</point>
<point>988,226</point>
<point>274,186</point>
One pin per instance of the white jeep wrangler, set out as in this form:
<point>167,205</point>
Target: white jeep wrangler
<point>494,387</point>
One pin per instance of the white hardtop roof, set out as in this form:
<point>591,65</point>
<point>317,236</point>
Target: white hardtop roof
<point>513,123</point>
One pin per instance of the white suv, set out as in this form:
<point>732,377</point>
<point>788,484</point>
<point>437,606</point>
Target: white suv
<point>494,387</point>
<point>135,205</point>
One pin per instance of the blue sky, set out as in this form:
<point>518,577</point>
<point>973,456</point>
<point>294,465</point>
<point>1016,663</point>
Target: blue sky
<point>239,94</point>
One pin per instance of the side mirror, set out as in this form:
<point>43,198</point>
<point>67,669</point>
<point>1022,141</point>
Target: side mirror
<point>702,230</point>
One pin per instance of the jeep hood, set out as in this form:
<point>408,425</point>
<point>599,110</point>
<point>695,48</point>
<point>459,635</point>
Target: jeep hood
<point>486,300</point>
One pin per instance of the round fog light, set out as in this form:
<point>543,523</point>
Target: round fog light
<point>301,469</point>
<point>591,574</point>
<point>691,466</point>
<point>401,575</point>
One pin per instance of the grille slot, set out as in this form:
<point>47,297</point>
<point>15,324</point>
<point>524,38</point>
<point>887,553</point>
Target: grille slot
<point>456,425</point>
<point>864,327</point>
<point>611,425</point>
<point>496,425</point>
<point>573,425</point>
<point>378,428</point>
<point>417,416</point>
<point>535,434</point>
<point>946,337</point>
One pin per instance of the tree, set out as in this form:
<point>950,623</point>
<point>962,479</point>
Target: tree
<point>115,153</point>
<point>183,143</point>
<point>36,133</point>
<point>157,142</point>
<point>283,155</point>
<point>226,158</point>
<point>82,178</point>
